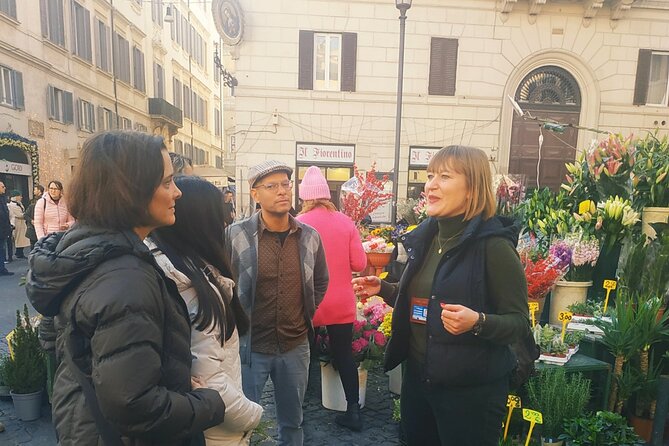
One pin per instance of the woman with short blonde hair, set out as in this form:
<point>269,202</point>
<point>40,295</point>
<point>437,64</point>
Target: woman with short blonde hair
<point>461,301</point>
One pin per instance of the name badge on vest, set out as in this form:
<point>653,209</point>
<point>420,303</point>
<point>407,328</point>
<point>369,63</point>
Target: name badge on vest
<point>419,310</point>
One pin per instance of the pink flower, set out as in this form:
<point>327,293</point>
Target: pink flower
<point>367,334</point>
<point>379,339</point>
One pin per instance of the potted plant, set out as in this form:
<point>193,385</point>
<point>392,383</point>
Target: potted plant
<point>600,429</point>
<point>26,369</point>
<point>557,396</point>
<point>650,181</point>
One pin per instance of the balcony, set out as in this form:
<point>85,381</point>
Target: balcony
<point>161,110</point>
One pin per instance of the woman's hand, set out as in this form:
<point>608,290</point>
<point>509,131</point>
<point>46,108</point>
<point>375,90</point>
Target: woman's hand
<point>366,286</point>
<point>458,319</point>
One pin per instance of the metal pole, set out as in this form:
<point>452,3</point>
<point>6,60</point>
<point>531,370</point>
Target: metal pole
<point>398,118</point>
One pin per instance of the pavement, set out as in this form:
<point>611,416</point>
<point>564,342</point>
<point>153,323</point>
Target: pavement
<point>319,426</point>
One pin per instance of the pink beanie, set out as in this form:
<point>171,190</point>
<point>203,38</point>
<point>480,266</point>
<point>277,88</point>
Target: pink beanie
<point>313,185</point>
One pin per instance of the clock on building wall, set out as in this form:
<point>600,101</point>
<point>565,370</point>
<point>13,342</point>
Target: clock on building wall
<point>229,20</point>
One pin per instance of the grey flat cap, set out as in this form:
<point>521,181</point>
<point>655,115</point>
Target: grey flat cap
<point>263,169</point>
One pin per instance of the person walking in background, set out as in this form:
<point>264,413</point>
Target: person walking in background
<point>228,208</point>
<point>190,252</point>
<point>281,273</point>
<point>51,213</point>
<point>122,329</point>
<point>5,229</point>
<point>344,254</point>
<point>17,220</point>
<point>181,164</point>
<point>29,215</point>
<point>461,301</point>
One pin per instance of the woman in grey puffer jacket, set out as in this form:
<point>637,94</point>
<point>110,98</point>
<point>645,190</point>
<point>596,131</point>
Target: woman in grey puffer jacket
<point>122,330</point>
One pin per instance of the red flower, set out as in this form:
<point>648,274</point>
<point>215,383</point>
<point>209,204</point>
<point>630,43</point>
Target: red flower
<point>379,339</point>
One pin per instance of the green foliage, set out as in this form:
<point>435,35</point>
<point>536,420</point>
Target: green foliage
<point>397,414</point>
<point>646,264</point>
<point>545,214</point>
<point>558,396</point>
<point>601,429</point>
<point>587,308</point>
<point>26,370</point>
<point>573,337</point>
<point>3,370</point>
<point>650,174</point>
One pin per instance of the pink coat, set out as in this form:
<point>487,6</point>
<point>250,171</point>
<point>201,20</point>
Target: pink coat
<point>51,217</point>
<point>344,254</point>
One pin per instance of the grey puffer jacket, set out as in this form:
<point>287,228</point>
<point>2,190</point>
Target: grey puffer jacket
<point>136,340</point>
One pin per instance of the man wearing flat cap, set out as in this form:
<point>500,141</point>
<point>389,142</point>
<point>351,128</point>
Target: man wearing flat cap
<point>281,273</point>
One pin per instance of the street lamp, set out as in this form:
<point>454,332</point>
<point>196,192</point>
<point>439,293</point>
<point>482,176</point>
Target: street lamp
<point>403,6</point>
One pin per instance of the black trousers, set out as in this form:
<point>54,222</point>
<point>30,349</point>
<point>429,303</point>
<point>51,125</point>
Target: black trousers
<point>436,415</point>
<point>341,337</point>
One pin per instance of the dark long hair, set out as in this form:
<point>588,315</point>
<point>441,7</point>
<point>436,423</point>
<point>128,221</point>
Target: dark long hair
<point>195,240</point>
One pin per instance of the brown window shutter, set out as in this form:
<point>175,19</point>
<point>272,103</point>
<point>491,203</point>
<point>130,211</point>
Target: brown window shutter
<point>348,58</point>
<point>305,79</point>
<point>642,75</point>
<point>443,66</point>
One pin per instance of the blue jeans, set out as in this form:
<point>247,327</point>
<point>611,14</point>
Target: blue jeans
<point>289,372</point>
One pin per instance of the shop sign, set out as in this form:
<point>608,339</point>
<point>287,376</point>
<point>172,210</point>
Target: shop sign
<point>325,153</point>
<point>11,168</point>
<point>421,156</point>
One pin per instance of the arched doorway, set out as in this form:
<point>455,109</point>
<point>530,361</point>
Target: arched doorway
<point>547,93</point>
<point>19,163</point>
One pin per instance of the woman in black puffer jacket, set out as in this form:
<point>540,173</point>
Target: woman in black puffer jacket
<point>122,330</point>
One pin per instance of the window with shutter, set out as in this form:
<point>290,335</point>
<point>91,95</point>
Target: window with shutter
<point>7,86</point>
<point>652,78</point>
<point>122,58</point>
<point>19,100</point>
<point>443,66</point>
<point>81,32</point>
<point>60,105</point>
<point>138,69</point>
<point>157,12</point>
<point>103,48</point>
<point>327,61</point>
<point>217,122</point>
<point>158,81</point>
<point>52,21</point>
<point>8,8</point>
<point>177,91</point>
<point>85,116</point>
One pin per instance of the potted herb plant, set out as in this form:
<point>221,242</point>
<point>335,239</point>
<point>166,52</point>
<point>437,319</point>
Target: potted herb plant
<point>600,429</point>
<point>558,396</point>
<point>26,369</point>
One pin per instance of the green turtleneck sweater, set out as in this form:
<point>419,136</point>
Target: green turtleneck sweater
<point>505,279</point>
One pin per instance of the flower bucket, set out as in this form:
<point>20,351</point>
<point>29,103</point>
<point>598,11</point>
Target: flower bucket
<point>564,294</point>
<point>551,442</point>
<point>395,380</point>
<point>27,405</point>
<point>379,260</point>
<point>653,215</point>
<point>332,392</point>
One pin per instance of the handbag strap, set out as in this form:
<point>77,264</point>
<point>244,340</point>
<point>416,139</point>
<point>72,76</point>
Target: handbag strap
<point>73,345</point>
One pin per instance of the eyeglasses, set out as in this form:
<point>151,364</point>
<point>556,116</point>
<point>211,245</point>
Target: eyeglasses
<point>274,187</point>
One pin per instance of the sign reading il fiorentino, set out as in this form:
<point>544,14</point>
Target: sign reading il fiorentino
<point>15,168</point>
<point>420,156</point>
<point>325,153</point>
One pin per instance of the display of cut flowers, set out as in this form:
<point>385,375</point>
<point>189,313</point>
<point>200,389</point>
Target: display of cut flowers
<point>377,244</point>
<point>580,252</point>
<point>610,162</point>
<point>371,331</point>
<point>615,219</point>
<point>542,270</point>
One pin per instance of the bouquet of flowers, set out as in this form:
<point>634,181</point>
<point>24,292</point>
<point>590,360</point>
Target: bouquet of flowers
<point>615,219</point>
<point>542,270</point>
<point>377,244</point>
<point>371,331</point>
<point>509,191</point>
<point>363,194</point>
<point>610,163</point>
<point>580,252</point>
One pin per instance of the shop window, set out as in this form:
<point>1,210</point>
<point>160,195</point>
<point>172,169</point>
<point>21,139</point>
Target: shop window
<point>652,78</point>
<point>416,184</point>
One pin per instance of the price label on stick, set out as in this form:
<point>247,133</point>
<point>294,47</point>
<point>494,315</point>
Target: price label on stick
<point>533,417</point>
<point>564,317</point>
<point>512,402</point>
<point>534,307</point>
<point>608,286</point>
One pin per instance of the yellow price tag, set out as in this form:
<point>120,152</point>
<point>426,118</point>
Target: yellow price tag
<point>584,206</point>
<point>383,275</point>
<point>565,316</point>
<point>534,307</point>
<point>513,401</point>
<point>610,284</point>
<point>533,417</point>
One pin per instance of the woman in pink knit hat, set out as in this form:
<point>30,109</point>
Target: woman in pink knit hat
<point>344,254</point>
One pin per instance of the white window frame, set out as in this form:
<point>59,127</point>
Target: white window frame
<point>86,116</point>
<point>126,123</point>
<point>7,86</point>
<point>60,105</point>
<point>108,119</point>
<point>665,98</point>
<point>327,84</point>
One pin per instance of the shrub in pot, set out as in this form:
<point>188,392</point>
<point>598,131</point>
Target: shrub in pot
<point>600,429</point>
<point>558,396</point>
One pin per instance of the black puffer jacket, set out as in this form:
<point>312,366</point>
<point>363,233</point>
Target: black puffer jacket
<point>136,340</point>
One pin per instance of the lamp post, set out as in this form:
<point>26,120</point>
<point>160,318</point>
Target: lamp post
<point>403,6</point>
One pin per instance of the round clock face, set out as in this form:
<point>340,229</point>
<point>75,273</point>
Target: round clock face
<point>229,20</point>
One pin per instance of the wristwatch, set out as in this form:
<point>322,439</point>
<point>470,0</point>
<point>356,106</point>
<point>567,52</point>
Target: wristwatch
<point>478,326</point>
